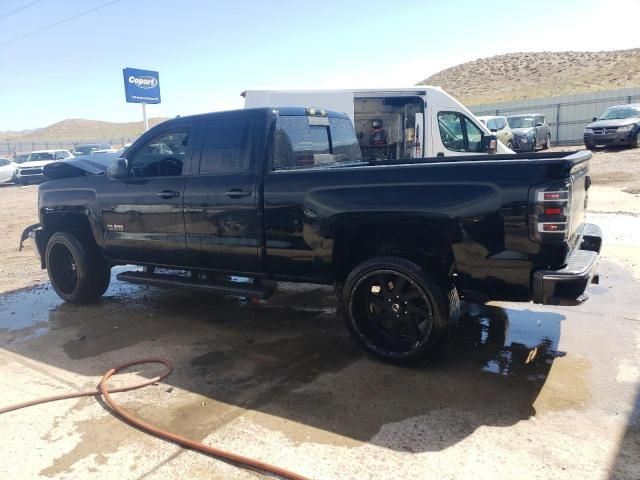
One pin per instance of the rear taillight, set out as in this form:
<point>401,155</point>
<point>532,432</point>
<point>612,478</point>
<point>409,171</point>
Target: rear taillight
<point>550,212</point>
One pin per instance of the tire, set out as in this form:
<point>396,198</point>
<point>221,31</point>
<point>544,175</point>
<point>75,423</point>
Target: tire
<point>395,310</point>
<point>510,145</point>
<point>534,144</point>
<point>547,144</point>
<point>76,271</point>
<point>589,146</point>
<point>636,141</point>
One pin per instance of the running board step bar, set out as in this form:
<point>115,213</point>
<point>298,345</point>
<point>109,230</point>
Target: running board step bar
<point>171,281</point>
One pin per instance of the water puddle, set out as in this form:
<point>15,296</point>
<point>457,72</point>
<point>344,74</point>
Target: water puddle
<point>32,311</point>
<point>519,343</point>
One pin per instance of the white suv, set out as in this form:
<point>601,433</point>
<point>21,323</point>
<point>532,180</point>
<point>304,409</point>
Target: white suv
<point>31,170</point>
<point>501,128</point>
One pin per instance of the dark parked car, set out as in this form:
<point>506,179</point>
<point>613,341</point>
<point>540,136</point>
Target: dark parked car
<point>618,125</point>
<point>284,195</point>
<point>530,132</point>
<point>21,158</point>
<point>89,148</point>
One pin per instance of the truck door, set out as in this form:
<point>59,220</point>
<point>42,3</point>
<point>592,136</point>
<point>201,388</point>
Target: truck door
<point>142,215</point>
<point>222,219</point>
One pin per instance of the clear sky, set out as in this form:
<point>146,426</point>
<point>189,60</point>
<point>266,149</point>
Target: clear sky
<point>207,52</point>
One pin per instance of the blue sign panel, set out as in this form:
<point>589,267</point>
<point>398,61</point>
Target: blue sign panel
<point>141,86</point>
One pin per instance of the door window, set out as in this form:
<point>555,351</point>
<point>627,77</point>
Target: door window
<point>226,146</point>
<point>163,155</point>
<point>473,135</point>
<point>458,133</point>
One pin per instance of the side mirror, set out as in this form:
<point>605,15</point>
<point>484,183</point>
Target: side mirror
<point>538,124</point>
<point>489,143</point>
<point>118,169</point>
<point>594,119</point>
<point>493,130</point>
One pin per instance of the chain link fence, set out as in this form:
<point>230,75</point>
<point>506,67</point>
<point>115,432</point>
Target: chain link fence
<point>11,148</point>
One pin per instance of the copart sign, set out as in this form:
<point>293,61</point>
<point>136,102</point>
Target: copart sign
<point>141,86</point>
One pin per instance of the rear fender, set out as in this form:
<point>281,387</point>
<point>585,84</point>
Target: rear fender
<point>428,241</point>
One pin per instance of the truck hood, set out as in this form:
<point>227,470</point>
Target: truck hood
<point>36,164</point>
<point>523,131</point>
<point>620,122</point>
<point>79,166</point>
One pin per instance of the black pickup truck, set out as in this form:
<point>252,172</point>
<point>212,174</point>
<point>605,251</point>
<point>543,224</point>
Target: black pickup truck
<point>284,195</point>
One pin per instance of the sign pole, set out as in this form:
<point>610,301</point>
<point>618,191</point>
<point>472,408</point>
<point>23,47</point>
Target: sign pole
<point>144,116</point>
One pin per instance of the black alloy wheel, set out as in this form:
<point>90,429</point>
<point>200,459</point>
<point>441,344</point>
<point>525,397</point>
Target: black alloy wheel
<point>395,310</point>
<point>392,310</point>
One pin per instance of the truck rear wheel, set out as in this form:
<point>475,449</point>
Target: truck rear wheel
<point>395,310</point>
<point>76,271</point>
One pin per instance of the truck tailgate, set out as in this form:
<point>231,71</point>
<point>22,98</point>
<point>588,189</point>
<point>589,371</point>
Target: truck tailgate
<point>580,183</point>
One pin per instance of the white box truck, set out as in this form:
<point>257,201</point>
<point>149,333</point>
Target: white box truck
<point>395,123</point>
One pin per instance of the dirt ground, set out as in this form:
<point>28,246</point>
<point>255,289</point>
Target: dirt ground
<point>19,210</point>
<point>614,168</point>
<point>550,391</point>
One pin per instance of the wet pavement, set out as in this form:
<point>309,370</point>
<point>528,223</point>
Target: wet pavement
<point>516,388</point>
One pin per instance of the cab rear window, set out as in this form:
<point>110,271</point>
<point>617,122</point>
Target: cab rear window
<point>302,141</point>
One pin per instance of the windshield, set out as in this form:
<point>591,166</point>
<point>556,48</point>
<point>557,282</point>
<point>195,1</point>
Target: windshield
<point>301,141</point>
<point>34,157</point>
<point>617,113</point>
<point>85,149</point>
<point>520,122</point>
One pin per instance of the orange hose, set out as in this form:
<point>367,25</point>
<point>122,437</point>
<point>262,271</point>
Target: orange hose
<point>238,460</point>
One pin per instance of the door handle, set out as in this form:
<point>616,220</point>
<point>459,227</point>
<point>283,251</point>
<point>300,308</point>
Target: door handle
<point>168,194</point>
<point>237,193</point>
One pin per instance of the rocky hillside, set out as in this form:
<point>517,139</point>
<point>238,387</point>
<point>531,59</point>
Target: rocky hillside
<point>78,129</point>
<point>519,76</point>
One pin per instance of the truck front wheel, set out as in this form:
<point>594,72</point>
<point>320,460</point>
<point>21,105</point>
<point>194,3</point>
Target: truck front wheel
<point>395,310</point>
<point>76,271</point>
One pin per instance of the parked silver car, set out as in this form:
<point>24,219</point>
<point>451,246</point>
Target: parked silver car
<point>530,132</point>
